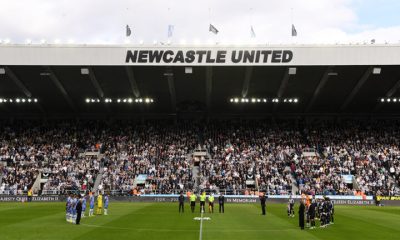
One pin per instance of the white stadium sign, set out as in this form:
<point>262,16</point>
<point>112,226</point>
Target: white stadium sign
<point>266,55</point>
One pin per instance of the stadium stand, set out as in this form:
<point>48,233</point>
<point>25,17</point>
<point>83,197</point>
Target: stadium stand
<point>273,153</point>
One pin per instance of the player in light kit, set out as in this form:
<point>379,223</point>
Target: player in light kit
<point>68,208</point>
<point>83,205</point>
<point>74,203</point>
<point>106,205</point>
<point>91,204</point>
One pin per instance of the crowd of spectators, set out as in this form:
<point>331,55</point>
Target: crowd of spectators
<point>367,151</point>
<point>28,149</point>
<point>157,149</point>
<point>239,150</point>
<point>281,157</point>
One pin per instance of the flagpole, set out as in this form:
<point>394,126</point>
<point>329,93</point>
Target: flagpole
<point>291,15</point>
<point>251,25</point>
<point>169,40</point>
<point>291,21</point>
<point>126,26</point>
<point>209,20</point>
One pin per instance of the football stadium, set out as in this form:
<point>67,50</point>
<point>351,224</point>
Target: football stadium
<point>199,141</point>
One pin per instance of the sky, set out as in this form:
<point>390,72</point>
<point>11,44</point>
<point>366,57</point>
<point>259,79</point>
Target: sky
<point>104,21</point>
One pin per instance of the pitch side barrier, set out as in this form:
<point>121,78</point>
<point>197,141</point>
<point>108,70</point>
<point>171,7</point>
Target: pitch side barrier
<point>338,200</point>
<point>23,198</point>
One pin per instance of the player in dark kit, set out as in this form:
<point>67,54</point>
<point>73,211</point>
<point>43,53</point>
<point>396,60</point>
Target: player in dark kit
<point>311,213</point>
<point>325,216</point>
<point>221,201</point>
<point>328,211</point>
<point>290,211</point>
<point>263,199</point>
<point>181,200</point>
<point>321,213</point>
<point>318,210</point>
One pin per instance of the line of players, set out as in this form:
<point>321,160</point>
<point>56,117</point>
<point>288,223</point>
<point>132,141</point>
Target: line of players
<point>203,197</point>
<point>76,206</point>
<point>322,209</point>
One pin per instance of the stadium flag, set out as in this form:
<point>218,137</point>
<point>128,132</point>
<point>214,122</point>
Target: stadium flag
<point>213,29</point>
<point>294,31</point>
<point>252,33</point>
<point>170,30</point>
<point>128,31</point>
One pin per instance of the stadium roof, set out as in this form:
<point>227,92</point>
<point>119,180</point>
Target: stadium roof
<point>324,80</point>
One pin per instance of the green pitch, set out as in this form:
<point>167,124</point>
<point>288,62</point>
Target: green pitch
<point>162,221</point>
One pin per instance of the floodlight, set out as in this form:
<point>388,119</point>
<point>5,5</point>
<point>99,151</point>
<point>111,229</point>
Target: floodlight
<point>188,70</point>
<point>84,71</point>
<point>376,70</point>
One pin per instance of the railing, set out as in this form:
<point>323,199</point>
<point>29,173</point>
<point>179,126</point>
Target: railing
<point>178,191</point>
<point>142,192</point>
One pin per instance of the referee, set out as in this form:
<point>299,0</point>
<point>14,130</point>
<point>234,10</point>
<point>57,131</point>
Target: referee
<point>202,201</point>
<point>193,198</point>
<point>211,203</point>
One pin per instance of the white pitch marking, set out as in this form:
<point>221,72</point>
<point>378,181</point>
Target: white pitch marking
<point>190,230</point>
<point>199,218</point>
<point>201,226</point>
